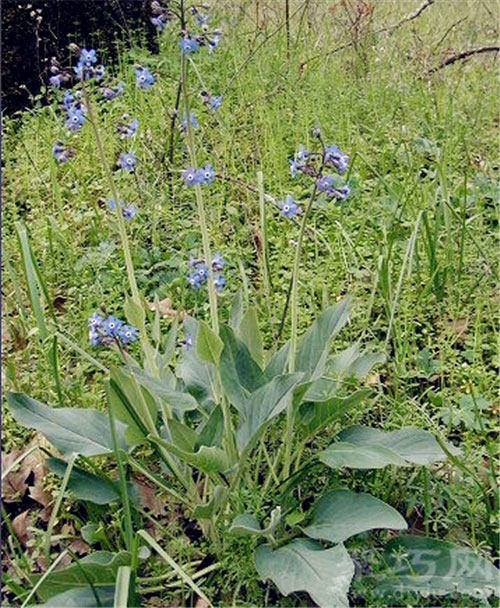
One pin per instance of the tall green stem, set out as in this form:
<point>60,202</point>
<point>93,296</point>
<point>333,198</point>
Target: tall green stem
<point>294,309</point>
<point>212,296</point>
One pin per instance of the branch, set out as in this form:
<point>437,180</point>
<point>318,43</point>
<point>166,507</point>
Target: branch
<point>464,55</point>
<point>390,28</point>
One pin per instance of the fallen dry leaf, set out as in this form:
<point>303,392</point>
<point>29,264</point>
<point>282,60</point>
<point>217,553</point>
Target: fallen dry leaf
<point>150,500</point>
<point>164,307</point>
<point>458,327</point>
<point>20,526</point>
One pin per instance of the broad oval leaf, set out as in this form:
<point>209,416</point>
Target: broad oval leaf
<point>208,459</point>
<point>240,374</point>
<point>340,514</point>
<point>82,597</point>
<point>313,348</point>
<point>249,524</point>
<point>70,430</point>
<point>99,568</point>
<point>248,331</point>
<point>344,454</point>
<point>209,344</point>
<point>313,415</point>
<point>436,567</point>
<point>303,565</point>
<point>352,362</point>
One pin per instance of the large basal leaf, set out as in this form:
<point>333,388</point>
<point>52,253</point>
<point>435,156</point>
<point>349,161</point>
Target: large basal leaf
<point>314,415</point>
<point>209,344</point>
<point>132,404</point>
<point>212,430</point>
<point>414,445</point>
<point>340,514</point>
<point>198,376</point>
<point>344,454</point>
<point>263,405</point>
<point>352,362</point>
<point>278,363</point>
<point>207,459</point>
<point>178,401</point>
<point>435,567</point>
<point>248,331</point>
<point>84,485</point>
<point>302,565</point>
<point>249,524</point>
<point>70,430</point>
<point>82,597</point>
<point>240,374</point>
<point>313,348</point>
<point>98,568</point>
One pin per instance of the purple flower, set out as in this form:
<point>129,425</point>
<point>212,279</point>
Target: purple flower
<point>110,94</point>
<point>144,78</point>
<point>61,153</point>
<point>215,103</point>
<point>68,100</point>
<point>219,282</point>
<point>289,208</point>
<point>189,341</point>
<point>195,280</point>
<point>129,212</point>
<point>326,183</point>
<point>131,129</point>
<point>56,80</point>
<point>191,176</point>
<point>334,157</point>
<point>128,162</point>
<point>214,43</point>
<point>127,334</point>
<point>189,45</point>
<point>88,57</point>
<point>76,118</point>
<point>159,22</point>
<point>206,175</point>
<point>218,262</point>
<point>192,119</point>
<point>111,327</point>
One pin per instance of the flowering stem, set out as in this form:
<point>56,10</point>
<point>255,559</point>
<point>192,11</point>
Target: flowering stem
<point>146,346</point>
<point>293,337</point>
<point>212,296</point>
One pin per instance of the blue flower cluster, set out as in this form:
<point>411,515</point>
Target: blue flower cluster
<point>128,130</point>
<point>201,272</point>
<point>106,331</point>
<point>143,78</point>
<point>61,152</point>
<point>86,68</point>
<point>127,162</point>
<point>109,93</point>
<point>193,121</point>
<point>203,176</point>
<point>128,211</point>
<point>313,165</point>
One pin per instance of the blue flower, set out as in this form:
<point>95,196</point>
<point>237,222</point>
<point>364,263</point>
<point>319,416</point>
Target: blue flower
<point>127,334</point>
<point>144,78</point>
<point>206,175</point>
<point>96,321</point>
<point>334,157</point>
<point>289,208</point>
<point>195,280</point>
<point>129,212</point>
<point>192,119</point>
<point>111,327</point>
<point>68,100</point>
<point>189,341</point>
<point>128,162</point>
<point>88,57</point>
<point>99,72</point>
<point>191,176</point>
<point>159,22</point>
<point>341,193</point>
<point>218,262</point>
<point>294,168</point>
<point>214,43</point>
<point>203,272</point>
<point>76,118</point>
<point>189,45</point>
<point>301,156</point>
<point>219,282</point>
<point>61,153</point>
<point>215,103</point>
<point>110,94</point>
<point>326,183</point>
<point>203,19</point>
<point>131,129</point>
<point>56,80</point>
<point>95,329</point>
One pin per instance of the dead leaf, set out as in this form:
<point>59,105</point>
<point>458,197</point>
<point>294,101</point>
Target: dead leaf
<point>14,485</point>
<point>79,547</point>
<point>201,603</point>
<point>6,337</point>
<point>20,526</point>
<point>151,501</point>
<point>458,327</point>
<point>165,309</point>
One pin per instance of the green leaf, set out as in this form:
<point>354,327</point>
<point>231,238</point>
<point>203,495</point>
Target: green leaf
<point>207,459</point>
<point>314,415</point>
<point>278,363</point>
<point>180,402</point>
<point>240,374</point>
<point>134,312</point>
<point>344,454</point>
<point>249,524</point>
<point>414,445</point>
<point>209,344</point>
<point>181,435</point>
<point>99,568</point>
<point>84,485</point>
<point>122,589</point>
<point>236,312</point>
<point>70,430</point>
<point>302,565</point>
<point>198,376</point>
<point>207,511</point>
<point>340,514</point>
<point>364,448</point>
<point>263,405</point>
<point>82,597</point>
<point>352,363</point>
<point>249,332</point>
<point>435,567</point>
<point>212,430</point>
<point>92,533</point>
<point>132,404</point>
<point>313,348</point>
